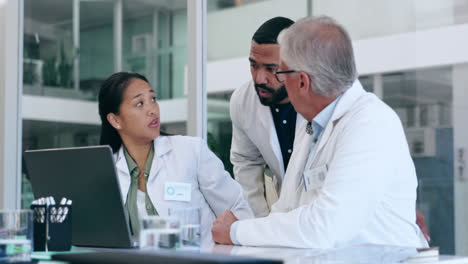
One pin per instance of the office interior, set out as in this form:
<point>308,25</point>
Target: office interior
<point>54,54</point>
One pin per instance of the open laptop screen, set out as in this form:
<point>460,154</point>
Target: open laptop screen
<point>87,176</point>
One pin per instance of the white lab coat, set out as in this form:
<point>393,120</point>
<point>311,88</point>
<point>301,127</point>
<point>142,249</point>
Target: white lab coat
<point>254,145</point>
<point>367,195</point>
<point>182,159</point>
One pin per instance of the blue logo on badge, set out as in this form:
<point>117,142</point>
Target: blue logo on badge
<point>170,190</point>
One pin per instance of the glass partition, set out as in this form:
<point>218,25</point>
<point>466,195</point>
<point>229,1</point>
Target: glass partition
<point>72,46</point>
<point>367,18</point>
<point>423,101</point>
<point>421,97</point>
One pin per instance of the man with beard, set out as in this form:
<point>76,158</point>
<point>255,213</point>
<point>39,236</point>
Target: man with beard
<point>263,121</point>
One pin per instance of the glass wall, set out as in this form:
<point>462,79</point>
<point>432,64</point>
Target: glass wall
<point>48,50</point>
<point>231,29</point>
<point>421,97</point>
<point>423,101</point>
<point>233,22</point>
<point>367,18</point>
<point>45,134</point>
<point>72,46</point>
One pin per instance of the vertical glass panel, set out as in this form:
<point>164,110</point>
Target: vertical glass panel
<point>48,49</point>
<point>380,18</point>
<point>423,101</point>
<point>70,48</point>
<point>41,134</point>
<point>154,43</point>
<point>230,30</point>
<point>219,126</point>
<point>96,45</point>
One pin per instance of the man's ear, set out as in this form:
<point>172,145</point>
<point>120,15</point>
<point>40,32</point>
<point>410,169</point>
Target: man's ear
<point>304,81</point>
<point>113,120</point>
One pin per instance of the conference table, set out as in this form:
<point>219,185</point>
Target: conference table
<point>361,254</point>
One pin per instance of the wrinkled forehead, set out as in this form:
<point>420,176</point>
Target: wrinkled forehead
<point>264,53</point>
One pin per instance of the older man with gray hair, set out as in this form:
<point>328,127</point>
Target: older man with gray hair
<point>351,179</point>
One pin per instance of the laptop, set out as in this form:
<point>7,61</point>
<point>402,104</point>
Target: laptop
<point>87,176</point>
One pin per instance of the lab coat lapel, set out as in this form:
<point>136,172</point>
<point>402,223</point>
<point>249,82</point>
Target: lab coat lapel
<point>300,125</point>
<point>266,120</point>
<point>162,146</point>
<point>295,169</point>
<point>122,173</point>
<point>159,173</point>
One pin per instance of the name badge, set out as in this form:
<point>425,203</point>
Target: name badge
<point>314,178</point>
<point>177,191</point>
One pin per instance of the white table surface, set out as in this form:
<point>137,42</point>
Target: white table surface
<point>364,254</point>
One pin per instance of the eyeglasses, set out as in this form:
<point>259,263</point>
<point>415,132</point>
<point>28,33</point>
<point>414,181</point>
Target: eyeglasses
<point>282,78</point>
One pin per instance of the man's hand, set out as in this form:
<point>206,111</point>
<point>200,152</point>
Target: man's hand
<point>222,228</point>
<point>421,222</point>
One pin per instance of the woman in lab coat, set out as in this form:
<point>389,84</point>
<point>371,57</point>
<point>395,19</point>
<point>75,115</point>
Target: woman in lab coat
<point>157,171</point>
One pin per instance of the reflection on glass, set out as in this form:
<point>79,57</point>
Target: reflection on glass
<point>70,46</point>
<point>154,44</point>
<point>423,101</point>
<point>220,127</point>
<point>392,17</point>
<point>230,29</point>
<point>47,50</point>
<point>96,45</point>
<point>45,134</point>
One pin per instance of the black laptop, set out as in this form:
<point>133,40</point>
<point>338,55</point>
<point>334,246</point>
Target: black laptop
<point>87,176</point>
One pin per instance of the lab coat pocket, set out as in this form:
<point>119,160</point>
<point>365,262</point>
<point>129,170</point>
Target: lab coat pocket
<point>314,178</point>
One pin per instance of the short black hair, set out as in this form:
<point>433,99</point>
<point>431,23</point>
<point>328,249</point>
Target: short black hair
<point>268,32</point>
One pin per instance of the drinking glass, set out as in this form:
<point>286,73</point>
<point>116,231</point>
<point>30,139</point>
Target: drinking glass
<point>190,226</point>
<point>16,234</point>
<point>159,232</point>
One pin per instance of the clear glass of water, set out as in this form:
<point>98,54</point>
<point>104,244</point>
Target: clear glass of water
<point>159,232</point>
<point>16,234</point>
<point>189,226</point>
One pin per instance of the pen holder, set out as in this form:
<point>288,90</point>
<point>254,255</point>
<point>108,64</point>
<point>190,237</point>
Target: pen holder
<point>52,227</point>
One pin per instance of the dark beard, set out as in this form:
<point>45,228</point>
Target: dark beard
<point>276,95</point>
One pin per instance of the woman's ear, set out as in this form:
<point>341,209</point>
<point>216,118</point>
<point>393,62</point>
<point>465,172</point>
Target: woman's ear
<point>113,120</point>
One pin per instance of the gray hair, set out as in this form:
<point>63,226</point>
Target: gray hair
<point>322,48</point>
